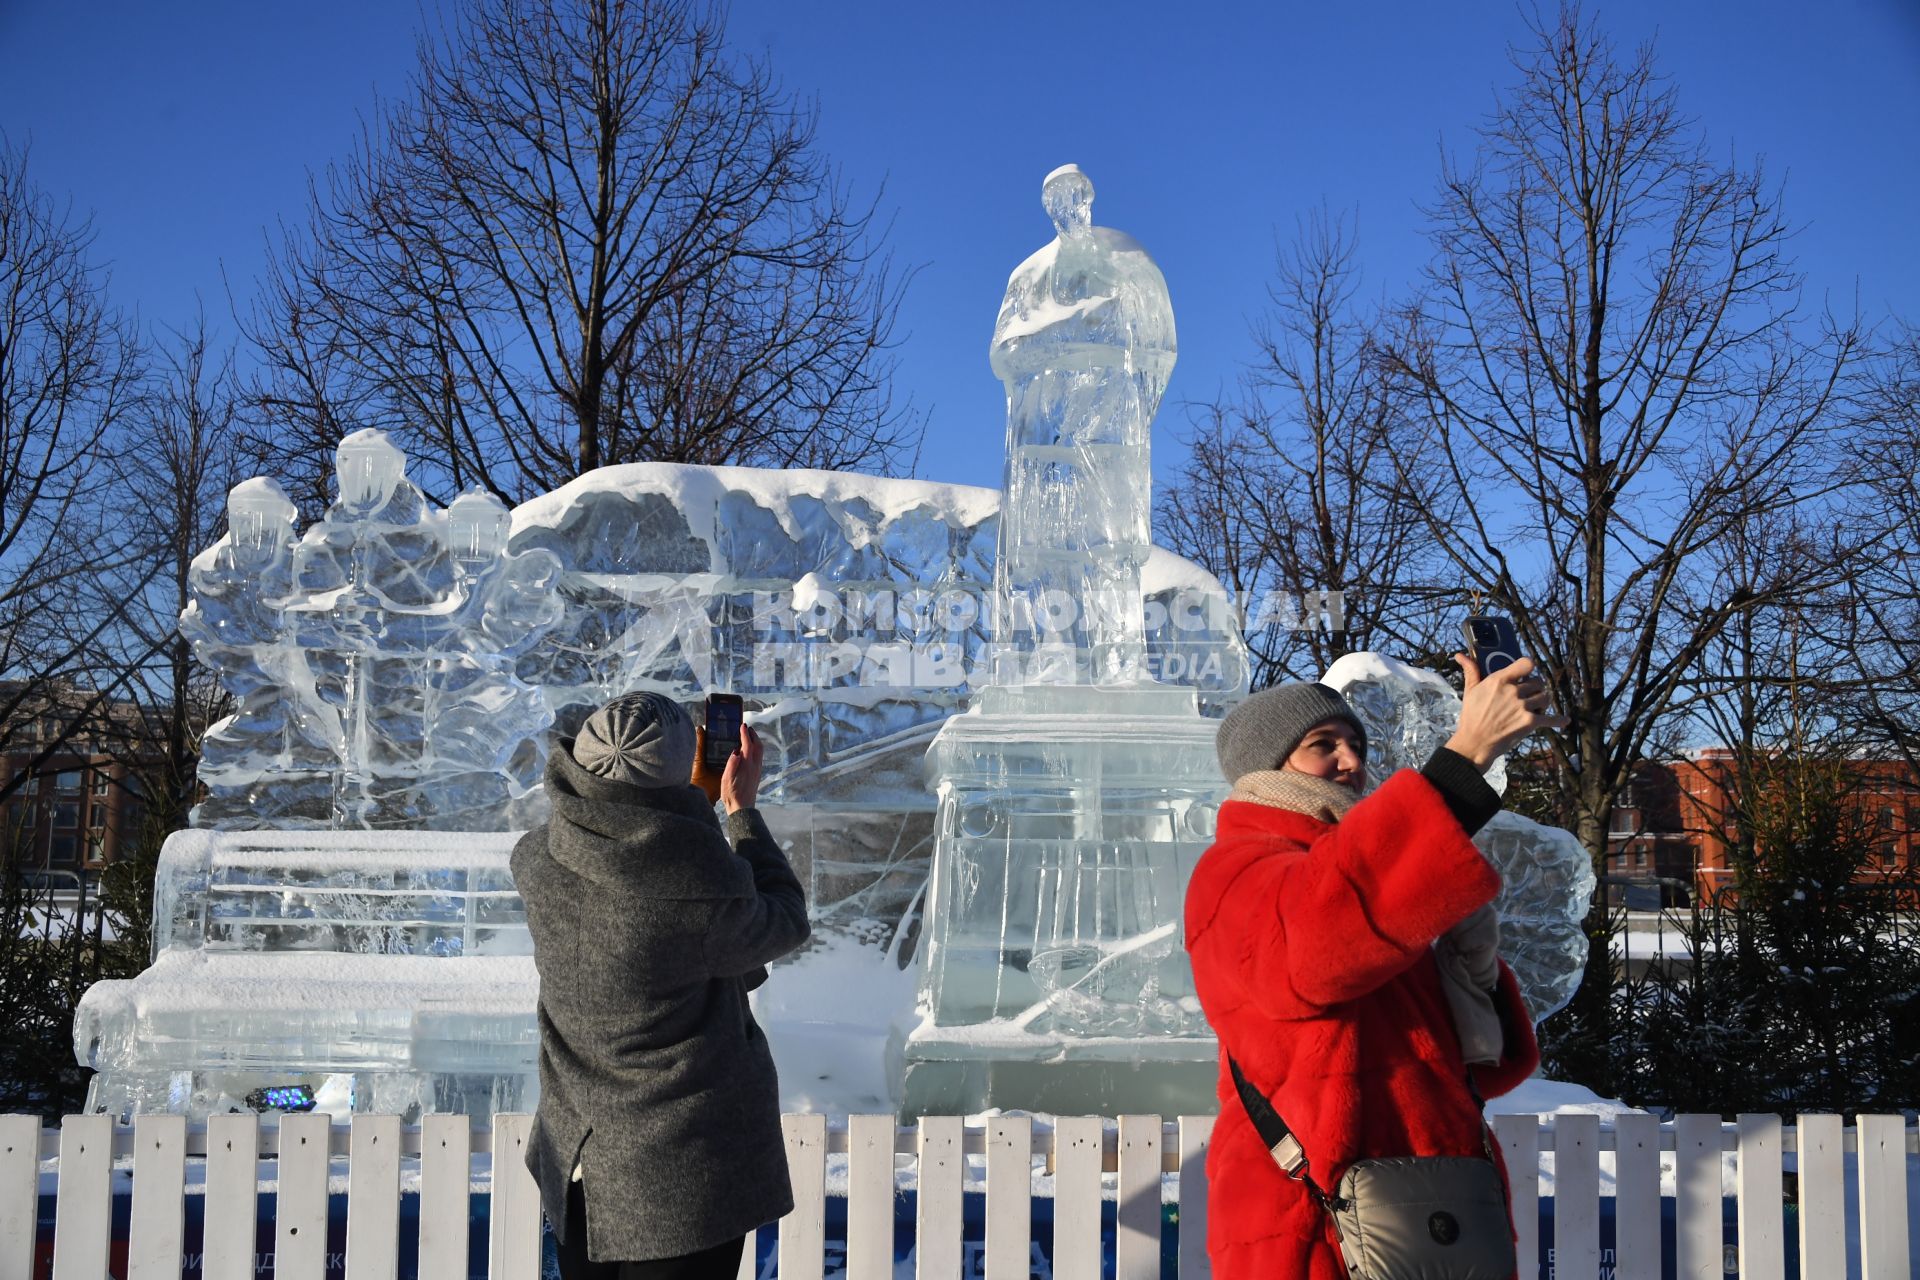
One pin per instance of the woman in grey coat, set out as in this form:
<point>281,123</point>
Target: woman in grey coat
<point>657,1143</point>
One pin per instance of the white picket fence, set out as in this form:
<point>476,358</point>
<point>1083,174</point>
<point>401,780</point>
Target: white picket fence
<point>1136,1150</point>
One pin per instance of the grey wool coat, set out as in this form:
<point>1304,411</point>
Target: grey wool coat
<point>648,930</point>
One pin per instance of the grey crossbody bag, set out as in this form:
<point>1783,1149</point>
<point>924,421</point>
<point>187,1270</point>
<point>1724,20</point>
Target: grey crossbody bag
<point>1403,1218</point>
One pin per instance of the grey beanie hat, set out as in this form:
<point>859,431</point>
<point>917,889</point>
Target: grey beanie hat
<point>1262,732</point>
<point>641,739</point>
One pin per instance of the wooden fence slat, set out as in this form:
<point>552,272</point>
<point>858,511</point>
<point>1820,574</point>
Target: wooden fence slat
<point>1009,1198</point>
<point>156,1221</point>
<point>233,1181</point>
<point>513,1219</point>
<point>373,1198</point>
<point>803,1232</point>
<point>1636,1197</point>
<point>19,1194</point>
<point>1136,1253</point>
<point>1763,1254</point>
<point>1076,1197</point>
<point>1519,1138</point>
<point>1195,1133</point>
<point>1820,1157</point>
<point>1576,1194</point>
<point>870,1197</point>
<point>300,1210</point>
<point>446,1176</point>
<point>83,1213</point>
<point>942,1165</point>
<point>1883,1197</point>
<point>1699,1253</point>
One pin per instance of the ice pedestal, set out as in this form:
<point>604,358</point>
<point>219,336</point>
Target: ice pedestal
<point>390,973</point>
<point>1052,972</point>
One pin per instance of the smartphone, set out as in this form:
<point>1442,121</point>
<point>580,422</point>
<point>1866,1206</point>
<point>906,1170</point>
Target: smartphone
<point>1492,641</point>
<point>723,728</point>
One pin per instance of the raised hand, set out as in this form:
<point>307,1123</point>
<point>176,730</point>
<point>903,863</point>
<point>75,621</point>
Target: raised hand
<point>740,785</point>
<point>1498,710</point>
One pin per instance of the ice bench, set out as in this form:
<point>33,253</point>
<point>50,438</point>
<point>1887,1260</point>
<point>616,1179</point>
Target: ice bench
<point>389,972</point>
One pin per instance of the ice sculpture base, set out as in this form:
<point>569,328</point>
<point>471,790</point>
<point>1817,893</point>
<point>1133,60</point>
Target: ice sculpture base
<point>970,1070</point>
<point>1052,974</point>
<point>387,972</point>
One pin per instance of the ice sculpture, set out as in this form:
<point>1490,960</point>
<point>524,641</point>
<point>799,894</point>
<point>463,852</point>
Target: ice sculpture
<point>1084,346</point>
<point>1547,876</point>
<point>383,969</point>
<point>1076,792</point>
<point>372,659</point>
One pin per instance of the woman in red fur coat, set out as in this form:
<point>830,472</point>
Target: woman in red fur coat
<point>1345,952</point>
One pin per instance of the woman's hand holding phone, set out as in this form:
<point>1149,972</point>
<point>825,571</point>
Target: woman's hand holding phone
<point>1499,710</point>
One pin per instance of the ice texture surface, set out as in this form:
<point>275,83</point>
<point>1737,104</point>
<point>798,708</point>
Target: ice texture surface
<point>1546,876</point>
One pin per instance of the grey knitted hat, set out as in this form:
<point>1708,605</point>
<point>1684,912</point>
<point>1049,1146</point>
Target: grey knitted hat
<point>642,739</point>
<point>1262,732</point>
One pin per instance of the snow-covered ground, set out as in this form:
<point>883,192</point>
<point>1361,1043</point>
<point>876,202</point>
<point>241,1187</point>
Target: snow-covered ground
<point>836,1019</point>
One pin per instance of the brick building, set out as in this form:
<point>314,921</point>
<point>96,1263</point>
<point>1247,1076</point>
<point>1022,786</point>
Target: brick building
<point>1672,824</point>
<point>76,810</point>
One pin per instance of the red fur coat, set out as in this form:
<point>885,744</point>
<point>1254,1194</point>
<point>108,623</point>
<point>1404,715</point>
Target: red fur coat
<point>1310,945</point>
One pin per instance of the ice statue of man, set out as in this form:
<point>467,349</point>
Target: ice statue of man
<point>1084,345</point>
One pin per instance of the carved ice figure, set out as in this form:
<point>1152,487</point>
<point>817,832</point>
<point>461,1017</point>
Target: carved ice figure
<point>373,658</point>
<point>1547,878</point>
<point>1084,345</point>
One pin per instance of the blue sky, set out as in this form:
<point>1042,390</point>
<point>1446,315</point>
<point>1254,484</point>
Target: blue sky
<point>189,130</point>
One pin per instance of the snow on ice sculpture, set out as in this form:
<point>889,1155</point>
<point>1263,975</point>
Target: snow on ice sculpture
<point>373,658</point>
<point>1076,792</point>
<point>1547,878</point>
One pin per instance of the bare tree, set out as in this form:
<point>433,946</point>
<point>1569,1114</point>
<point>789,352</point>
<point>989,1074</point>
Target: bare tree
<point>69,369</point>
<point>1878,625</point>
<point>590,236</point>
<point>1293,493</point>
<point>1612,367</point>
<point>174,475</point>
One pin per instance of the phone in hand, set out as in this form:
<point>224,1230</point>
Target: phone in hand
<point>1491,641</point>
<point>723,728</point>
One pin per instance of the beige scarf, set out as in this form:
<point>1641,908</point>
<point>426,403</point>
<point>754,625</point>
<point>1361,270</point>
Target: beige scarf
<point>1301,792</point>
<point>1466,954</point>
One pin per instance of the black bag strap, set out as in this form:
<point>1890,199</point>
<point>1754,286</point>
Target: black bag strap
<point>1285,1148</point>
<point>1280,1141</point>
